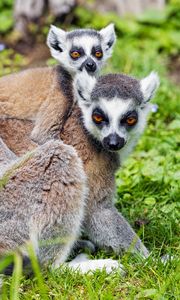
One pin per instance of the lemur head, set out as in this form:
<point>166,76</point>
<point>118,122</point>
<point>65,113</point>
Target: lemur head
<point>81,48</point>
<point>114,107</point>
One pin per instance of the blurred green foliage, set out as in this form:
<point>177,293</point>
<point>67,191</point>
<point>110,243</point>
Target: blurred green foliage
<point>160,29</point>
<point>6,15</point>
<point>6,4</point>
<point>10,61</point>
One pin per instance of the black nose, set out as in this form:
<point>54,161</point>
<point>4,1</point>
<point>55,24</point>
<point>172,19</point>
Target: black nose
<point>113,142</point>
<point>90,65</point>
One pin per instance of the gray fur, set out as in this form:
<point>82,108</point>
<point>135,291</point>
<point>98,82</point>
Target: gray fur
<point>108,229</point>
<point>117,85</point>
<point>83,32</point>
<point>6,157</point>
<point>42,200</point>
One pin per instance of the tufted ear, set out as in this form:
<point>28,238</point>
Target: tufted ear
<point>108,38</point>
<point>149,86</point>
<point>83,86</point>
<point>56,39</point>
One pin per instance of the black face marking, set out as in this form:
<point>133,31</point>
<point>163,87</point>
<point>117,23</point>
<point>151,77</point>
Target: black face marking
<point>129,114</point>
<point>113,142</point>
<point>99,112</point>
<point>55,46</point>
<point>80,50</point>
<point>55,43</point>
<point>97,49</point>
<point>110,43</point>
<point>90,65</point>
<point>81,95</point>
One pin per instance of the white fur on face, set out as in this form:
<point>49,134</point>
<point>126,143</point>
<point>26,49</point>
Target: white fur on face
<point>115,109</point>
<point>87,42</point>
<point>84,84</point>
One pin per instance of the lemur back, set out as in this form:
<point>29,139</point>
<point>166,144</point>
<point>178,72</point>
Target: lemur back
<point>21,94</point>
<point>41,102</point>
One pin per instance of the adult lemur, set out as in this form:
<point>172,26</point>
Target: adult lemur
<point>37,95</point>
<point>28,95</point>
<point>102,124</point>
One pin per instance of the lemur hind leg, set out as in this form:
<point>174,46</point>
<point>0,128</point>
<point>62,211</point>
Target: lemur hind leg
<point>108,229</point>
<point>42,201</point>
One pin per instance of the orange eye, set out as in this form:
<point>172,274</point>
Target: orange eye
<point>98,54</point>
<point>97,118</point>
<point>75,54</point>
<point>131,121</point>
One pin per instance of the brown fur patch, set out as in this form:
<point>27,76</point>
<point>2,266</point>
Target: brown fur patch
<point>22,94</point>
<point>16,135</point>
<point>55,109</point>
<point>73,134</point>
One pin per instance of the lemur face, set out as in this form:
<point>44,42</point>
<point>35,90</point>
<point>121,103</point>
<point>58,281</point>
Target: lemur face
<point>114,107</point>
<point>82,48</point>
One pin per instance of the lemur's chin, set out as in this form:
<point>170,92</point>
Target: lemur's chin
<point>112,150</point>
<point>91,73</point>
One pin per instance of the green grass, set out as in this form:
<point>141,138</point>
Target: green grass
<point>147,186</point>
<point>148,279</point>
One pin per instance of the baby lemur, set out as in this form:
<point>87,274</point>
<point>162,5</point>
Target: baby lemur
<point>103,123</point>
<point>30,94</point>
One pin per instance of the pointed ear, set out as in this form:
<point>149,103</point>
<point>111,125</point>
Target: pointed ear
<point>108,37</point>
<point>83,86</point>
<point>149,86</point>
<point>56,39</point>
